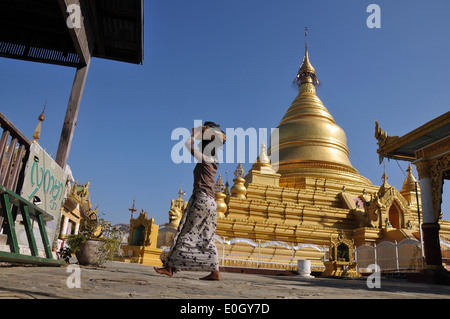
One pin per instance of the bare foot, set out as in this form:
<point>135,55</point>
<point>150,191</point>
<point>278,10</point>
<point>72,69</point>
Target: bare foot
<point>164,271</point>
<point>214,275</point>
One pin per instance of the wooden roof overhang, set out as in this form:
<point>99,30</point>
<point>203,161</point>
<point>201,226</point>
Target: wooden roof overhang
<point>37,31</point>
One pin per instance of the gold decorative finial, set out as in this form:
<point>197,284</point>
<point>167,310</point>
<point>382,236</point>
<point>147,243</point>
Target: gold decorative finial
<point>37,131</point>
<point>306,73</point>
<point>306,38</point>
<point>180,192</point>
<point>385,186</point>
<point>385,178</point>
<point>219,186</point>
<point>410,181</point>
<point>239,172</point>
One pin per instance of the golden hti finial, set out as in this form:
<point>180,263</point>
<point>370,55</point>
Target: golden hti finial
<point>179,201</point>
<point>219,186</point>
<point>37,131</point>
<point>410,181</point>
<point>385,186</point>
<point>306,39</point>
<point>306,73</point>
<point>239,172</point>
<point>384,177</point>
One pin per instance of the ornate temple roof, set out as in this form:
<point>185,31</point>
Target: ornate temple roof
<point>406,146</point>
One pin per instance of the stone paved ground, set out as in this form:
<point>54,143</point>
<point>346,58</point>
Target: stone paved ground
<point>119,280</point>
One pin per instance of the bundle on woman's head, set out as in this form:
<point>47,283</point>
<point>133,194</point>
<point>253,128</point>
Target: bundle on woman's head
<point>213,135</point>
<point>216,131</point>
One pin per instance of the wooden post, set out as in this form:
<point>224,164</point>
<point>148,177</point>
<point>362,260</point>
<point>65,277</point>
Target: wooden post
<point>70,120</point>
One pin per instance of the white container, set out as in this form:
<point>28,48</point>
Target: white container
<point>304,268</point>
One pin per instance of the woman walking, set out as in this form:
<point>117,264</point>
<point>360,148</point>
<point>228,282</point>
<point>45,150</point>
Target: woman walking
<point>193,247</point>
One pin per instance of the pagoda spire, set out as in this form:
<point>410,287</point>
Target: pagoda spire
<point>306,73</point>
<point>385,186</point>
<point>37,131</point>
<point>410,181</point>
<point>181,193</point>
<point>309,142</point>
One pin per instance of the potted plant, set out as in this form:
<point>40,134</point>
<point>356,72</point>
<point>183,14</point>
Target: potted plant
<point>97,242</point>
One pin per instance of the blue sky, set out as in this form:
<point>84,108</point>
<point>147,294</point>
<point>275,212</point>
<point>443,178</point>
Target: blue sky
<point>233,62</point>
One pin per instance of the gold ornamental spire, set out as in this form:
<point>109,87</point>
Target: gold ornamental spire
<point>385,186</point>
<point>306,73</point>
<point>180,200</point>
<point>37,131</point>
<point>410,181</point>
<point>219,186</point>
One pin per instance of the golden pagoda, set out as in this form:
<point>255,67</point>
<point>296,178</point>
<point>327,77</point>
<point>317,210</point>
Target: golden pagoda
<point>311,144</point>
<point>314,198</point>
<point>311,204</point>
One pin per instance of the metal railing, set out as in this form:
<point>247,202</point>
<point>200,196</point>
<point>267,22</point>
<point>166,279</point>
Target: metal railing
<point>258,259</point>
<point>391,256</point>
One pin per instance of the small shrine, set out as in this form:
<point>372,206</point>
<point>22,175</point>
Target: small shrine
<point>341,261</point>
<point>141,247</point>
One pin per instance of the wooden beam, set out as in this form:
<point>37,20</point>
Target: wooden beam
<point>83,38</point>
<point>70,120</point>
